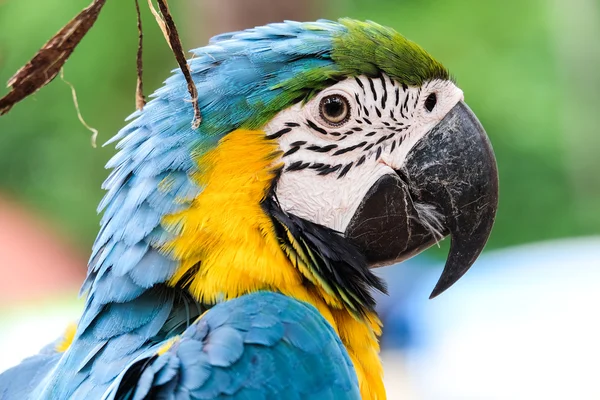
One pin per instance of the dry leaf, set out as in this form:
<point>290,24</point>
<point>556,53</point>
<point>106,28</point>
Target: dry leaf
<point>48,61</point>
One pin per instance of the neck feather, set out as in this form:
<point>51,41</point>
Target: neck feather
<point>227,245</point>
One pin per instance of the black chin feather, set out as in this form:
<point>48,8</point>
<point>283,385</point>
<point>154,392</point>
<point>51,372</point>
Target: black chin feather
<point>335,261</point>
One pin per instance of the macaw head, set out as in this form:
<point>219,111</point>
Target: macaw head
<point>387,154</point>
<point>343,145</point>
<point>326,149</point>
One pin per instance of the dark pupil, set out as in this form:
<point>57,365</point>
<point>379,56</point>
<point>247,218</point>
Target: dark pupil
<point>333,107</point>
<point>430,102</point>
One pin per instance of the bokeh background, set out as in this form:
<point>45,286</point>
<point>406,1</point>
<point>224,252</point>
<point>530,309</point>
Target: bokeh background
<point>522,323</point>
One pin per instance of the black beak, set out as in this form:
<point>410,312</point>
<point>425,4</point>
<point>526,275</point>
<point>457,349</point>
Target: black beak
<point>448,186</point>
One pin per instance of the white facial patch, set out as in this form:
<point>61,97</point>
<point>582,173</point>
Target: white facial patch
<point>330,167</point>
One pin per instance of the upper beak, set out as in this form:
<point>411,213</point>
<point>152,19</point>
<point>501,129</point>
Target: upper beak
<point>447,186</point>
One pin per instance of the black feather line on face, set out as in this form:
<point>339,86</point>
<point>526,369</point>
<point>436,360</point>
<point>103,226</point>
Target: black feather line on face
<point>337,263</point>
<point>297,166</point>
<point>291,151</point>
<point>357,98</point>
<point>385,94</point>
<point>417,98</point>
<point>350,148</point>
<point>327,169</point>
<point>279,133</point>
<point>345,170</point>
<point>314,126</point>
<point>372,85</point>
<point>321,149</point>
<point>381,139</point>
<point>360,84</point>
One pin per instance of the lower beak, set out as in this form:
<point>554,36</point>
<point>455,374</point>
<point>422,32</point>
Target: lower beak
<point>447,186</point>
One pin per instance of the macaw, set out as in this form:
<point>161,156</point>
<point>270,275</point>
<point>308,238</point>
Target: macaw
<point>234,261</point>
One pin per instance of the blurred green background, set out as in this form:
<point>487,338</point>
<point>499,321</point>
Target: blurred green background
<point>529,70</point>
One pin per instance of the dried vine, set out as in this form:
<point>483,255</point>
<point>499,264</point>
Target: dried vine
<point>49,60</point>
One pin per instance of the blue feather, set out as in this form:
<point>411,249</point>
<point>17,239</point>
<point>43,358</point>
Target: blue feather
<point>225,347</point>
<point>152,268</point>
<point>213,360</point>
<point>128,302</point>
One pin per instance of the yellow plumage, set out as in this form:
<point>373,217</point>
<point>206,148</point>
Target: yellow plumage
<point>68,336</point>
<point>227,247</point>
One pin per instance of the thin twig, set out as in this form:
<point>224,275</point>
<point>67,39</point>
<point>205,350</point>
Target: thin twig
<point>160,21</point>
<point>175,43</point>
<point>140,100</point>
<point>74,94</point>
<point>48,61</point>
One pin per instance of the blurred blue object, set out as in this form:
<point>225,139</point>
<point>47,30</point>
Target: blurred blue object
<point>521,324</point>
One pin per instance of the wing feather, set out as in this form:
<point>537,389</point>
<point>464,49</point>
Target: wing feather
<point>218,357</point>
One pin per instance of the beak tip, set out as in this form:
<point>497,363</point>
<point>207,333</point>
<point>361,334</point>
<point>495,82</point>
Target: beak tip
<point>439,289</point>
<point>464,251</point>
<point>435,293</point>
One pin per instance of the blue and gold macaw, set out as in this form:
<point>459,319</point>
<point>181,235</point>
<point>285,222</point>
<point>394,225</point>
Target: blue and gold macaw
<point>234,260</point>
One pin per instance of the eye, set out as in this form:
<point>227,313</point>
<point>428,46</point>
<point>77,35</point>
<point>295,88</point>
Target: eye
<point>430,102</point>
<point>334,109</point>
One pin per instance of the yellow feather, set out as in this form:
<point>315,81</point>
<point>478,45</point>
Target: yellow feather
<point>67,338</point>
<point>227,246</point>
<point>167,345</point>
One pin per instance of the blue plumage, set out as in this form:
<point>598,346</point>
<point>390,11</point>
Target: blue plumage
<point>20,381</point>
<point>130,311</point>
<point>217,357</point>
<point>237,77</point>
